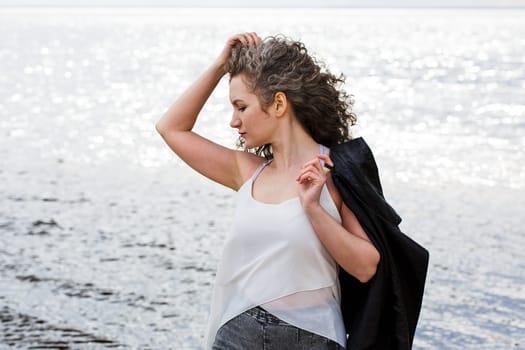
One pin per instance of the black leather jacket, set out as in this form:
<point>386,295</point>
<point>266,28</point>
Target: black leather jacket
<point>381,314</point>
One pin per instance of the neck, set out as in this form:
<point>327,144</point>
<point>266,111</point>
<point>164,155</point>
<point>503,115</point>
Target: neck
<point>293,147</point>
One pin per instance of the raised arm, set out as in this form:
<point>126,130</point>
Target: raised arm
<point>223,165</point>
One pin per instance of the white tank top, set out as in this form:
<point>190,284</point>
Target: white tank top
<point>273,259</point>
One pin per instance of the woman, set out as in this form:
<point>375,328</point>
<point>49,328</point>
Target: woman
<point>277,284</point>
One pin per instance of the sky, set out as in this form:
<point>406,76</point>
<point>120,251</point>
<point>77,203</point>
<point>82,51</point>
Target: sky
<point>272,3</point>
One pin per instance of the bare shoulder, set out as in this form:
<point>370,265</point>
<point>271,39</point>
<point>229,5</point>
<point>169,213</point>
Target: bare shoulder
<point>247,163</point>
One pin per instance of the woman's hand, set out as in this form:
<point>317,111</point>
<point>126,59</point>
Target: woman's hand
<point>312,179</point>
<point>244,38</point>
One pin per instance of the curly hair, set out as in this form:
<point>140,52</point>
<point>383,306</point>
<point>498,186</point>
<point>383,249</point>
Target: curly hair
<point>280,64</point>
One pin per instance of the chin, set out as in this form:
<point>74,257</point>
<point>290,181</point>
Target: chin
<point>248,144</point>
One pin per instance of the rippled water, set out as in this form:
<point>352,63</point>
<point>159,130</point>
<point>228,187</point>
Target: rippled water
<point>108,241</point>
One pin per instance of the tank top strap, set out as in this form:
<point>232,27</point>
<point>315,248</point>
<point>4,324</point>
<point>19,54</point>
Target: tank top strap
<point>260,168</point>
<point>322,150</point>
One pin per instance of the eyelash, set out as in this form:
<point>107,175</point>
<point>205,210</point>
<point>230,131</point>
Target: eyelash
<point>241,109</point>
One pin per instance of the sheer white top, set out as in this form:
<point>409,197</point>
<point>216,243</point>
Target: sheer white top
<point>273,259</point>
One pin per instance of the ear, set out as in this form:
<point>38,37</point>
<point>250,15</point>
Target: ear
<point>280,104</point>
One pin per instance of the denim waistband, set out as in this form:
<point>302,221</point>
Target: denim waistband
<point>264,316</point>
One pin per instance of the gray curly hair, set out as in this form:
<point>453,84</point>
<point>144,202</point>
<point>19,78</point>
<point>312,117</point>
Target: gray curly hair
<point>282,64</point>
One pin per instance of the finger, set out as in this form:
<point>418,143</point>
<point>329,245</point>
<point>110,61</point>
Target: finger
<point>311,174</point>
<point>313,168</point>
<point>318,167</point>
<point>305,178</point>
<point>238,38</point>
<point>327,161</point>
<point>250,38</point>
<point>314,162</point>
<point>310,178</point>
<point>255,38</point>
<point>243,39</point>
<point>304,174</point>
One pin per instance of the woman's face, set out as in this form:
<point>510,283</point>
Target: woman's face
<point>255,125</point>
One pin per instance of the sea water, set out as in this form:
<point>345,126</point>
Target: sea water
<point>107,240</point>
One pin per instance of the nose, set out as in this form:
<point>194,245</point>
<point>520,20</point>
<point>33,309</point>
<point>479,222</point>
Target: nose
<point>235,122</point>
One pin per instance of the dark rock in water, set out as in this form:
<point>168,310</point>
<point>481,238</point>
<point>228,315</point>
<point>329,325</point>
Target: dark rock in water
<point>16,198</point>
<point>30,278</point>
<point>40,224</point>
<point>6,224</point>
<point>38,233</point>
<point>51,223</point>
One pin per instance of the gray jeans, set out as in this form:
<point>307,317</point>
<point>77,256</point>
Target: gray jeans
<point>257,329</point>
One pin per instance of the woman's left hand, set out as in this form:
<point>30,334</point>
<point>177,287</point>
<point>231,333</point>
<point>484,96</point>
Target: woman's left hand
<point>311,180</point>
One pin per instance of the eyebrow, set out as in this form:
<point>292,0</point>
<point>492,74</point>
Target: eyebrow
<point>236,101</point>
